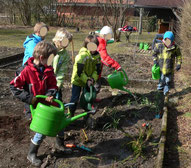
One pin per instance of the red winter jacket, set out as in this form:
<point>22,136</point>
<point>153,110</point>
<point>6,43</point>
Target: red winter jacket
<point>31,82</point>
<point>105,58</point>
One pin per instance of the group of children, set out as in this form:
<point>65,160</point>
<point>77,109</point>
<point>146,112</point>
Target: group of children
<point>37,77</point>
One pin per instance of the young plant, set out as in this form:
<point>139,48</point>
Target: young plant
<point>128,102</point>
<point>114,121</point>
<point>137,145</point>
<point>145,101</point>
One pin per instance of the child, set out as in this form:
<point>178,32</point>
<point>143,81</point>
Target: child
<point>164,55</point>
<point>61,60</point>
<point>40,31</point>
<point>36,78</point>
<point>106,33</point>
<point>85,71</point>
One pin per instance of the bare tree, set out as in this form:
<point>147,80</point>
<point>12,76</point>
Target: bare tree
<point>9,8</point>
<point>115,13</point>
<point>25,12</point>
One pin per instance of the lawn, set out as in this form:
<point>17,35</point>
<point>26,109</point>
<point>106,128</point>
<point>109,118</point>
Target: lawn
<point>15,38</point>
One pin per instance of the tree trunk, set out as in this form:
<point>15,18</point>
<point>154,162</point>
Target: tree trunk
<point>140,20</point>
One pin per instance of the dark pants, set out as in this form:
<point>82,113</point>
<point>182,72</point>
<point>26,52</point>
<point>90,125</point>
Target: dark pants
<point>27,111</point>
<point>59,95</point>
<point>97,86</point>
<point>76,90</point>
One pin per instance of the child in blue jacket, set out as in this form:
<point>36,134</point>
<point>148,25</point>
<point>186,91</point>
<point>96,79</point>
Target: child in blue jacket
<point>40,31</point>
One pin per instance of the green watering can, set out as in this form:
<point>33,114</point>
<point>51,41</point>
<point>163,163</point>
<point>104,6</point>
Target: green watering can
<point>146,46</point>
<point>141,45</point>
<point>155,72</point>
<point>87,98</point>
<point>117,80</point>
<point>49,120</point>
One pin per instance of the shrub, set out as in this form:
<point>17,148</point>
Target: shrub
<point>185,29</point>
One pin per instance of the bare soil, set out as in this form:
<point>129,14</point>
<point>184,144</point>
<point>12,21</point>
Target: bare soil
<point>108,141</point>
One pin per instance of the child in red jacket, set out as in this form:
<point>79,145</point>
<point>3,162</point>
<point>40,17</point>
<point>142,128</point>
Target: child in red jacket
<point>36,78</point>
<point>106,33</point>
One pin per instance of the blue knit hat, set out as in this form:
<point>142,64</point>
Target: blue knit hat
<point>169,35</point>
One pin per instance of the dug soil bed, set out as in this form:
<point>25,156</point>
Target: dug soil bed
<point>122,120</point>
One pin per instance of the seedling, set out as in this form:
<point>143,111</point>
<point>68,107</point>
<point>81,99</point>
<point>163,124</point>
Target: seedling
<point>145,101</point>
<point>137,145</point>
<point>114,121</point>
<point>128,102</point>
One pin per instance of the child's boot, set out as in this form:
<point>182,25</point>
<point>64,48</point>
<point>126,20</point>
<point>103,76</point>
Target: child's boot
<point>32,155</point>
<point>60,144</point>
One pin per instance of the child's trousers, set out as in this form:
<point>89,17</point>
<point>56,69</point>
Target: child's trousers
<point>164,83</point>
<point>38,138</point>
<point>76,90</point>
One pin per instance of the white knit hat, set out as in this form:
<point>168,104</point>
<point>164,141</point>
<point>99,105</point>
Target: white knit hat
<point>106,30</point>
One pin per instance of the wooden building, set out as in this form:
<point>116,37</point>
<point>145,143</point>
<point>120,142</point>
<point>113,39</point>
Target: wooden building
<point>164,10</point>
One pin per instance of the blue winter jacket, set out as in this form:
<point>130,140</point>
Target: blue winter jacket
<point>29,44</point>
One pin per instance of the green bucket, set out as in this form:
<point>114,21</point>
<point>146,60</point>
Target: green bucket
<point>146,46</point>
<point>141,45</point>
<point>155,72</point>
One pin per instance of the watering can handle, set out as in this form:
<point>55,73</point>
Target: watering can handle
<point>91,92</point>
<point>92,111</point>
<point>125,74</point>
<point>55,100</point>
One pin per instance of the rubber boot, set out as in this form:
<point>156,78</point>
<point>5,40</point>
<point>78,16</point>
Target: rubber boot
<point>32,155</point>
<point>60,145</point>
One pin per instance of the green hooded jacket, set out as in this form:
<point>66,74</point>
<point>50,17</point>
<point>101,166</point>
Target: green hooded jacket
<point>86,66</point>
<point>60,65</point>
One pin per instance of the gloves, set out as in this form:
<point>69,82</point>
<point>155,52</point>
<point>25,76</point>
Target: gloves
<point>90,82</point>
<point>155,62</point>
<point>178,67</point>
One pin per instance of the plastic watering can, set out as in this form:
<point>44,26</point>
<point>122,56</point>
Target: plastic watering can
<point>117,80</point>
<point>141,45</point>
<point>155,72</point>
<point>49,120</point>
<point>146,46</point>
<point>87,98</point>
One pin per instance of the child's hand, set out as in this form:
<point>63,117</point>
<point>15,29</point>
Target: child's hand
<point>178,67</point>
<point>49,99</point>
<point>34,99</point>
<point>90,82</point>
<point>155,62</point>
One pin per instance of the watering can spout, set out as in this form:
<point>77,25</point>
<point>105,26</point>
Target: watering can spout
<point>68,121</point>
<point>126,90</point>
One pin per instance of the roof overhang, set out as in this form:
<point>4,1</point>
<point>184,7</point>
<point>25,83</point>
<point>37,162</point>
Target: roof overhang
<point>154,7</point>
<point>90,4</point>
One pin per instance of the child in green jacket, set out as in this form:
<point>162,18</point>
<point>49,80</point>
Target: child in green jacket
<point>85,70</point>
<point>61,60</point>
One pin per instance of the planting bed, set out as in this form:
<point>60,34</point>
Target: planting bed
<point>119,125</point>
